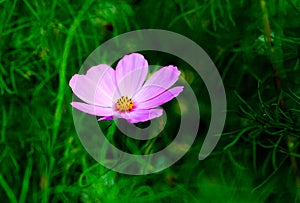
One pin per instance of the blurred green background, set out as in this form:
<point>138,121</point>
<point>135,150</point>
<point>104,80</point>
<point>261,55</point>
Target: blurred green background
<point>255,46</point>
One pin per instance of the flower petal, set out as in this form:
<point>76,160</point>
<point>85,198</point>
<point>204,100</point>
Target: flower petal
<point>141,115</point>
<point>160,99</point>
<point>106,118</point>
<point>131,73</point>
<point>97,86</point>
<point>92,109</point>
<point>159,82</point>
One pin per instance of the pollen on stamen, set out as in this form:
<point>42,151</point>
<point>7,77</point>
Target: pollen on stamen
<point>124,104</point>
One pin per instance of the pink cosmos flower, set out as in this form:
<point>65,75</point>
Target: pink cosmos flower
<point>123,93</point>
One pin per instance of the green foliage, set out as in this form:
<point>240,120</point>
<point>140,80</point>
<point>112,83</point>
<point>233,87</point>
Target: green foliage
<point>43,43</point>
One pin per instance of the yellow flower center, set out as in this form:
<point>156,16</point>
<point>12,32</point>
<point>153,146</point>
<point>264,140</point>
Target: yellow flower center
<point>124,104</point>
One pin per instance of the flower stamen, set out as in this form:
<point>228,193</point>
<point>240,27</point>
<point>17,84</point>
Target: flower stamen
<point>124,104</point>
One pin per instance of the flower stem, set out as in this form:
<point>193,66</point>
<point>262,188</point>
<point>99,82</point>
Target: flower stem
<point>276,65</point>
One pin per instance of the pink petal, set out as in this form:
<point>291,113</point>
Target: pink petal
<point>141,115</point>
<point>159,82</point>
<point>97,86</point>
<point>106,118</point>
<point>92,109</point>
<point>160,99</point>
<point>131,73</point>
